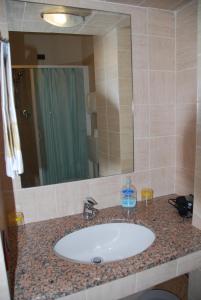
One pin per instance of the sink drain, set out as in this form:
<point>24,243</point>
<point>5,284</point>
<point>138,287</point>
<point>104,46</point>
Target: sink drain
<point>97,260</point>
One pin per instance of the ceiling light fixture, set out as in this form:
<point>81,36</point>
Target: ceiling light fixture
<point>62,19</point>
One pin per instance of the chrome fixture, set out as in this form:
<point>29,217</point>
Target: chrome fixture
<point>89,211</point>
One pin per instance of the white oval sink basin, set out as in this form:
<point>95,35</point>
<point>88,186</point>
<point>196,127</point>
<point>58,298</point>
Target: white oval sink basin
<point>105,243</point>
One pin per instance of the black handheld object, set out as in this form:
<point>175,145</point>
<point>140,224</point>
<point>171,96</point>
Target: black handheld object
<point>184,205</point>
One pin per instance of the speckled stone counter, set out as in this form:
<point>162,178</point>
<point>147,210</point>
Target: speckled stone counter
<point>40,274</point>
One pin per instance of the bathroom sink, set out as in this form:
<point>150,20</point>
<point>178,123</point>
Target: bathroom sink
<point>104,243</point>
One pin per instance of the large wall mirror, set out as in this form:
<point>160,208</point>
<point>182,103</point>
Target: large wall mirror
<point>73,91</point>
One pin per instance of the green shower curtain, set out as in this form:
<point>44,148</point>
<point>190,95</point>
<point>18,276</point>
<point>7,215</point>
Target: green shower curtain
<point>60,102</point>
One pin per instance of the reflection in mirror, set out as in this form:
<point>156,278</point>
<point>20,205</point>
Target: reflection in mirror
<point>73,94</point>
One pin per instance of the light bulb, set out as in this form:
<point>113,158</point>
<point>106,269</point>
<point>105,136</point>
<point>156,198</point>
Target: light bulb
<point>62,19</point>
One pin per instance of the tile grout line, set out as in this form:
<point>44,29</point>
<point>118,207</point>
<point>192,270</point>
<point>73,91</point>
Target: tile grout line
<point>154,35</point>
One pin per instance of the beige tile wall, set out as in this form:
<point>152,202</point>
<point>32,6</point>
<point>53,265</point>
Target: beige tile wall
<point>186,96</point>
<point>197,184</point>
<point>153,43</point>
<point>154,98</point>
<point>158,119</point>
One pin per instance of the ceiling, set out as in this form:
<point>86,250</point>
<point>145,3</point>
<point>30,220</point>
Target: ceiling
<point>162,4</point>
<point>26,16</point>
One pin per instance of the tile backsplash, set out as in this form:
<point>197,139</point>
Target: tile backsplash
<point>186,96</point>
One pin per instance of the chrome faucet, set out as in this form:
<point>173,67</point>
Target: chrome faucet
<point>89,211</point>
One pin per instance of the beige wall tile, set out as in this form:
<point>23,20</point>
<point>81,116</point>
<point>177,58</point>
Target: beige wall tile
<point>170,4</point>
<point>198,113</point>
<point>186,19</point>
<point>25,201</point>
<point>196,220</point>
<point>198,135</point>
<point>199,74</point>
<point>104,186</point>
<point>184,181</point>
<point>47,208</point>
<point>140,86</point>
<point>139,20</point>
<point>162,152</point>
<point>185,154</point>
<point>161,53</point>
<point>141,121</point>
<point>162,120</point>
<point>115,289</point>
<point>163,181</point>
<point>148,278</point>
<point>162,87</point>
<point>108,200</point>
<point>197,194</point>
<point>140,52</point>
<point>161,23</point>
<point>189,263</point>
<point>141,157</point>
<point>198,159</point>
<point>186,35</point>
<point>186,51</point>
<point>186,86</point>
<point>141,180</point>
<point>64,194</point>
<point>185,119</point>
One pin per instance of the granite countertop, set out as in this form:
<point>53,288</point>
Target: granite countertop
<point>40,274</point>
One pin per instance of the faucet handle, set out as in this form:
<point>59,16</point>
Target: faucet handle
<point>91,201</point>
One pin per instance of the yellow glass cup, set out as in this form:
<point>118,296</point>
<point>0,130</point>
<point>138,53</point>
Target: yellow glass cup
<point>147,195</point>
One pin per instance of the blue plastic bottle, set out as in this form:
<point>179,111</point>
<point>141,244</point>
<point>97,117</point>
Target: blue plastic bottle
<point>128,195</point>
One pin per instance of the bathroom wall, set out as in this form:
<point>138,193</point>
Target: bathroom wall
<point>153,39</point>
<point>154,98</point>
<point>158,127</point>
<point>197,185</point>
<point>186,96</point>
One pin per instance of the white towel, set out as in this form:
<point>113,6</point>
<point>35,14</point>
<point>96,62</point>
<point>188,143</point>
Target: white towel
<point>12,149</point>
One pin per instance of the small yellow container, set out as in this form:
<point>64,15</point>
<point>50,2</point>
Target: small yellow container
<point>147,195</point>
<point>19,218</point>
